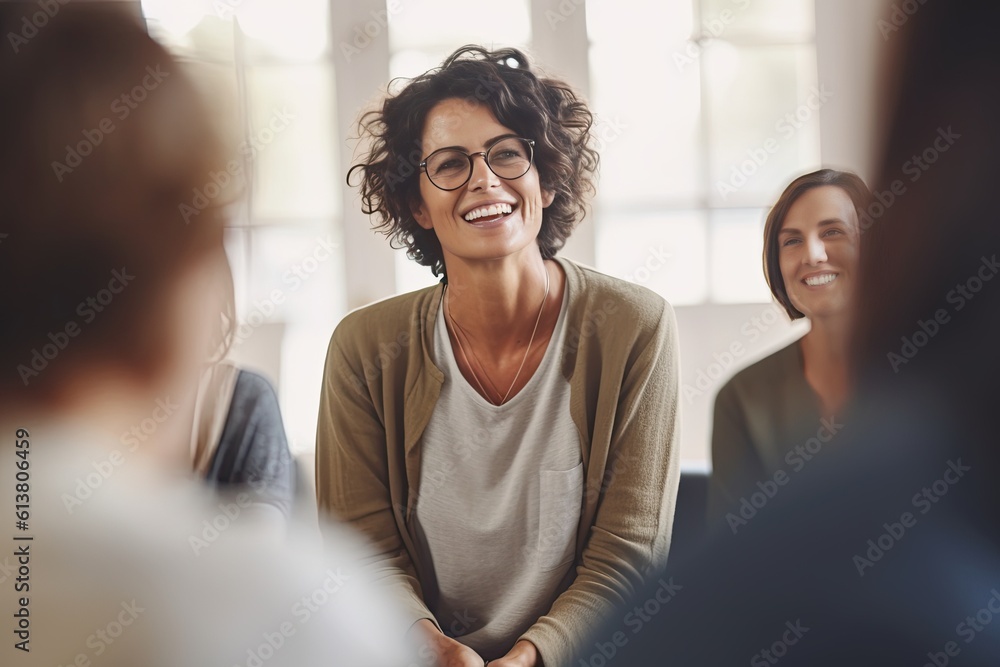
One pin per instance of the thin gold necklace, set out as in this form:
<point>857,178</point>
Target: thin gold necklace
<point>472,370</point>
<point>475,356</point>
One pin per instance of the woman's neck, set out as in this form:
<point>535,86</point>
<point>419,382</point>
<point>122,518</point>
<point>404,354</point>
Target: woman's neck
<point>825,358</point>
<point>498,303</point>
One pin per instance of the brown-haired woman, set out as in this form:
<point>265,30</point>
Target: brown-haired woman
<point>811,250</point>
<point>507,439</point>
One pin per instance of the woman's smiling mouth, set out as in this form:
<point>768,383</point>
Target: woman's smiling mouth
<point>488,212</point>
<point>822,279</point>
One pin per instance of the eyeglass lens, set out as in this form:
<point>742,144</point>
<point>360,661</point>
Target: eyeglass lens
<point>508,158</point>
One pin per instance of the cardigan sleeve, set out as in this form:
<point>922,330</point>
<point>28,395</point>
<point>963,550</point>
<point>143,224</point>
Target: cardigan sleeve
<point>630,535</point>
<point>352,478</point>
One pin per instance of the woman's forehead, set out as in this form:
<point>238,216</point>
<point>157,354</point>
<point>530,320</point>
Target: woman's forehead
<point>457,122</point>
<point>825,202</point>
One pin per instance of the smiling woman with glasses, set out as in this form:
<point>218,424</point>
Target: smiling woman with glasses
<point>507,440</point>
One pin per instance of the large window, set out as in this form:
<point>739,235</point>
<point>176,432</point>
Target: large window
<point>268,69</point>
<point>708,108</point>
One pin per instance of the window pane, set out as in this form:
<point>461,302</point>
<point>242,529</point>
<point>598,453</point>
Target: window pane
<point>440,26</point>
<point>763,114</point>
<point>290,30</point>
<point>791,20</point>
<point>646,94</point>
<point>293,275</point>
<point>712,107</point>
<point>647,134</point>
<point>174,24</point>
<point>237,250</point>
<point>662,251</point>
<point>412,62</point>
<point>665,21</point>
<point>303,349</point>
<point>289,298</point>
<point>736,247</point>
<point>291,137</point>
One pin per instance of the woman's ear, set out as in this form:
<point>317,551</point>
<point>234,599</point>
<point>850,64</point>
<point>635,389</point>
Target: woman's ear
<point>547,198</point>
<point>420,214</point>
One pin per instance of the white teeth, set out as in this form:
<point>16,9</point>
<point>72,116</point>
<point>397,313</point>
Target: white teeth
<point>488,211</point>
<point>824,279</point>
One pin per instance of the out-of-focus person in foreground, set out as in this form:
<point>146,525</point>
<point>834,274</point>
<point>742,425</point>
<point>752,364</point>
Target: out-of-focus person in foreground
<point>885,549</point>
<point>113,553</point>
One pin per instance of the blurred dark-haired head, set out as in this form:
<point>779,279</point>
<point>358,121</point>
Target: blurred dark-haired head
<point>936,245</point>
<point>929,316</point>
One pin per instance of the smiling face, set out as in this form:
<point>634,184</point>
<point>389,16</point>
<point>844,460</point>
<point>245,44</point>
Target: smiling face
<point>489,217</point>
<point>818,251</point>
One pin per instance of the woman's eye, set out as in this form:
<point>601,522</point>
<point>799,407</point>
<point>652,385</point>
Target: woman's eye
<point>448,165</point>
<point>789,242</point>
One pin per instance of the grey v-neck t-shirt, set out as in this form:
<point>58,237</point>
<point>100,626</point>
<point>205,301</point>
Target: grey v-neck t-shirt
<point>501,488</point>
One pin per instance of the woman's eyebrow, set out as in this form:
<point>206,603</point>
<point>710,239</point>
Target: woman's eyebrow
<point>499,137</point>
<point>822,223</point>
<point>488,142</point>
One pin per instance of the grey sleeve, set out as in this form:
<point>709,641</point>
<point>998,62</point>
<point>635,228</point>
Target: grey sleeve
<point>253,450</point>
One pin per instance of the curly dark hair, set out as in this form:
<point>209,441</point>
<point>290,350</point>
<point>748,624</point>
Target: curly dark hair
<point>543,109</point>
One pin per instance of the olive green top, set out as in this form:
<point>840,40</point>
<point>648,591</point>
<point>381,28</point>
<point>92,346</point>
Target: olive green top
<point>620,357</point>
<point>761,415</point>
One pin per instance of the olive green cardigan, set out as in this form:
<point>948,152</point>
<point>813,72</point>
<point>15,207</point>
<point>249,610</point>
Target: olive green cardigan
<point>380,386</point>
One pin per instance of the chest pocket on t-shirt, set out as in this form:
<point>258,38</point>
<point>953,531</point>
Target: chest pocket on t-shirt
<point>560,499</point>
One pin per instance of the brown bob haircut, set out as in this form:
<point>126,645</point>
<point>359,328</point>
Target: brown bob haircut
<point>845,180</point>
<point>542,109</point>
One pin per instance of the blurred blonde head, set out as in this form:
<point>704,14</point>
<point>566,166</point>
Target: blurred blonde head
<point>105,139</point>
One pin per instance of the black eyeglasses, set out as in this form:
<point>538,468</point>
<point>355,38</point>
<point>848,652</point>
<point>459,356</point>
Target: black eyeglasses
<point>507,157</point>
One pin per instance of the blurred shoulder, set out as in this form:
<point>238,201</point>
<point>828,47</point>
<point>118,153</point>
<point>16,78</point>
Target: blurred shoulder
<point>255,388</point>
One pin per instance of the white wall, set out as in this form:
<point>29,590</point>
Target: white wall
<point>717,341</point>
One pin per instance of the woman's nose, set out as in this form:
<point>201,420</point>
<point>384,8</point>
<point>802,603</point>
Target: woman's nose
<point>482,175</point>
<point>815,251</point>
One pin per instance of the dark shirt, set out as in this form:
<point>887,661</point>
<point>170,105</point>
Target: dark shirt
<point>253,449</point>
<point>884,551</point>
<point>761,416</point>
